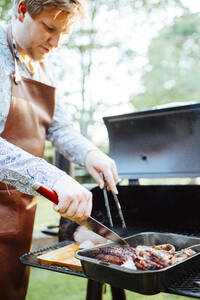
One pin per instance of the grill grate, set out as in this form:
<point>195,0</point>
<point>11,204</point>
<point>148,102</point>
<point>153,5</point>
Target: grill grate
<point>30,259</point>
<point>188,284</point>
<point>185,282</point>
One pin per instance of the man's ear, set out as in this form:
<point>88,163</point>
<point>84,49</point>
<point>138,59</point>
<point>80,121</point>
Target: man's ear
<point>21,10</point>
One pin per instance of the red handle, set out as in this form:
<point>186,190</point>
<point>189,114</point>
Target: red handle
<point>47,193</point>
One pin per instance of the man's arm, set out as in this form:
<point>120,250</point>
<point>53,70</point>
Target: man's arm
<point>81,151</point>
<point>66,139</point>
<point>21,169</point>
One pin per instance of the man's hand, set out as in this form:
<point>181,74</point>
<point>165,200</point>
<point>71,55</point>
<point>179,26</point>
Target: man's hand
<point>75,202</point>
<point>97,162</point>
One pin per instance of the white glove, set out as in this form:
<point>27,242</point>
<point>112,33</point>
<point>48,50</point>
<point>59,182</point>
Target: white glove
<point>98,162</point>
<point>75,202</point>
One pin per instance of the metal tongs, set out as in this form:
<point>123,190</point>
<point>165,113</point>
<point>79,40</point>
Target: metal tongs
<point>105,193</point>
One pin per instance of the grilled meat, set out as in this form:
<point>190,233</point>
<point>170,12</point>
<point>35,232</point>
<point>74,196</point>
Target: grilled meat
<point>120,251</point>
<point>114,254</point>
<point>162,255</point>
<point>143,257</point>
<point>111,259</point>
<point>182,255</point>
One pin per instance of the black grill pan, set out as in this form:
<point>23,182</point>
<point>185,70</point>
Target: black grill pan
<point>144,282</point>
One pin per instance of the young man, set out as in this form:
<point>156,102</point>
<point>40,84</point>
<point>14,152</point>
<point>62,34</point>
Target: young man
<point>29,115</point>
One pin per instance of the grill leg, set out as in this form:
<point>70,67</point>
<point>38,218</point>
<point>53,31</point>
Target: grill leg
<point>118,294</point>
<point>95,290</point>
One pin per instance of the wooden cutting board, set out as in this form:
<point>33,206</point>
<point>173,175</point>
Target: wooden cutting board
<point>63,256</point>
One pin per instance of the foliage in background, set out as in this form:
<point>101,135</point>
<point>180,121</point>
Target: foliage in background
<point>173,70</point>
<point>49,152</point>
<point>88,43</point>
<point>5,10</point>
<point>152,5</point>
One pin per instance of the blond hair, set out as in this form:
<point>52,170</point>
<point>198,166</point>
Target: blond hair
<point>75,8</point>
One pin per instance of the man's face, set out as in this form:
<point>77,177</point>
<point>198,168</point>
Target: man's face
<point>38,36</point>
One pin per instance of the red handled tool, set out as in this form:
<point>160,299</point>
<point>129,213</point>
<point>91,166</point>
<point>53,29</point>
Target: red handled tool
<point>47,193</point>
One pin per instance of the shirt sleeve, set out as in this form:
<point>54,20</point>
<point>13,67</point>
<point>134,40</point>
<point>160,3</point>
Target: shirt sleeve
<point>69,142</point>
<point>6,68</point>
<point>21,169</point>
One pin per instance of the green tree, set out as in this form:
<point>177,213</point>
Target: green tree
<point>87,43</point>
<point>173,70</point>
<point>151,5</point>
<point>5,10</point>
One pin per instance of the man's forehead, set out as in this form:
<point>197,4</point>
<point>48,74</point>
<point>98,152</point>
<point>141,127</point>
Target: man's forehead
<point>55,16</point>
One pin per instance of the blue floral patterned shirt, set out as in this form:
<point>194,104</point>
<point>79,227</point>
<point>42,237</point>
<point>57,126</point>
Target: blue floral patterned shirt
<point>17,167</point>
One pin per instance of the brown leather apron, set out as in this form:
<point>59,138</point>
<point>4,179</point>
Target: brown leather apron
<point>31,112</point>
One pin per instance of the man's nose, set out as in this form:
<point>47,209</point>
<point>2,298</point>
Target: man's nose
<point>56,40</point>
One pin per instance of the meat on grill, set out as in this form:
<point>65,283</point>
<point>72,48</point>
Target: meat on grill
<point>115,254</point>
<point>143,257</point>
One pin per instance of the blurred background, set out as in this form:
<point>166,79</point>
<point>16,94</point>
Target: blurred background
<point>127,55</point>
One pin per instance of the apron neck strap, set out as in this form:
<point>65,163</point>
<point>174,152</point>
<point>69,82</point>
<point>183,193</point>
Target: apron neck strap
<point>17,76</point>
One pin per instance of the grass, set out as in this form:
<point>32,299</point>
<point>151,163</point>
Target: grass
<point>48,285</point>
<point>45,214</point>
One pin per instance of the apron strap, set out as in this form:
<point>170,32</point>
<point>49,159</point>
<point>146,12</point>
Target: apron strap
<point>17,76</point>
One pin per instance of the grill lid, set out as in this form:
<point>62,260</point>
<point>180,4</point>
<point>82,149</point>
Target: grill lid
<point>156,143</point>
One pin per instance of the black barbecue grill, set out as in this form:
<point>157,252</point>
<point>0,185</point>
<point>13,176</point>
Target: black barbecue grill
<point>163,143</point>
